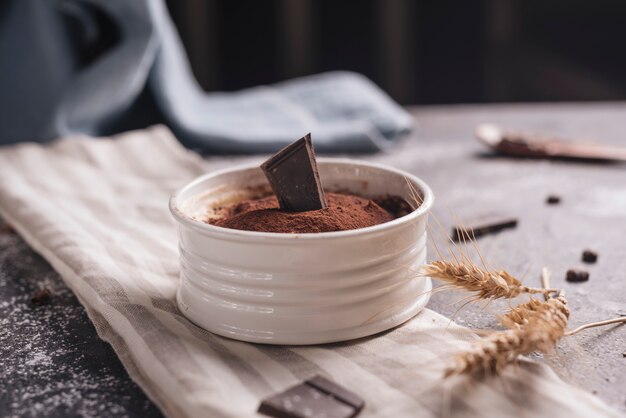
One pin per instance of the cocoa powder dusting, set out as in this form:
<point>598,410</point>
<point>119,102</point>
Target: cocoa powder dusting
<point>344,212</point>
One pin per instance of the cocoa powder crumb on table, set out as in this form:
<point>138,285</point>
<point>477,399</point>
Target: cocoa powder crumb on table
<point>6,229</point>
<point>40,297</point>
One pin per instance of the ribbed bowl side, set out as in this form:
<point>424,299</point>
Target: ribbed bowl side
<point>298,290</point>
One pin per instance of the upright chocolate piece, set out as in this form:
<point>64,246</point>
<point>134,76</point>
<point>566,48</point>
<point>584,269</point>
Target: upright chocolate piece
<point>490,224</point>
<point>316,397</point>
<point>292,173</point>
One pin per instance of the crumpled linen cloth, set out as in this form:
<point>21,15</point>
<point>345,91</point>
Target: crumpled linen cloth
<point>97,211</point>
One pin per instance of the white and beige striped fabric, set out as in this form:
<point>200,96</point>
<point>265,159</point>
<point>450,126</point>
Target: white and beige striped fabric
<point>97,211</point>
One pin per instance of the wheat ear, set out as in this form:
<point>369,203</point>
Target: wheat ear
<point>486,284</point>
<point>520,314</point>
<point>541,331</point>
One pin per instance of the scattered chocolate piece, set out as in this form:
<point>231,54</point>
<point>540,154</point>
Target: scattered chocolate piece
<point>337,391</point>
<point>40,297</point>
<point>394,204</point>
<point>553,199</point>
<point>316,397</point>
<point>6,229</point>
<point>590,256</point>
<point>574,275</point>
<point>292,173</point>
<point>478,228</point>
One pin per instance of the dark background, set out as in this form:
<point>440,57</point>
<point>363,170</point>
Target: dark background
<point>420,52</point>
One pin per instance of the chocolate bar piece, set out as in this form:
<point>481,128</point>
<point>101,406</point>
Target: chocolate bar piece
<point>481,227</point>
<point>316,397</point>
<point>292,173</point>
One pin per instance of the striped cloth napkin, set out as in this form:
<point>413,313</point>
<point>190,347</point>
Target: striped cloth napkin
<point>97,211</point>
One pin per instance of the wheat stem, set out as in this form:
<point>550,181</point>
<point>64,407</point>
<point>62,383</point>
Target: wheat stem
<point>620,320</point>
<point>545,280</point>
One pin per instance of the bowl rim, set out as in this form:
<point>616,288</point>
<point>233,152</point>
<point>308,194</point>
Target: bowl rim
<point>205,228</point>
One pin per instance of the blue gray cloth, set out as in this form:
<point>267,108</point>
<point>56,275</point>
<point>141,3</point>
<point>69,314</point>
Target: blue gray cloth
<point>94,66</point>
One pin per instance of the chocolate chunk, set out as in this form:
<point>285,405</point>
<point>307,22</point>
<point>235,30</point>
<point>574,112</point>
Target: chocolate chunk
<point>40,297</point>
<point>292,173</point>
<point>553,199</point>
<point>478,228</point>
<point>574,275</point>
<point>316,397</point>
<point>590,256</point>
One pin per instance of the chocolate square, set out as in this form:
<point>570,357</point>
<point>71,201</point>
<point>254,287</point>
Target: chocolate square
<point>315,398</point>
<point>292,173</point>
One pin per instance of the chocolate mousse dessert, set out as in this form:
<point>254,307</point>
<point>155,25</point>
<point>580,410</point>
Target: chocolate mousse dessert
<point>299,203</point>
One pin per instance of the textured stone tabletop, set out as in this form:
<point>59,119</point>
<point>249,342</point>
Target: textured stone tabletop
<point>54,365</point>
<point>52,361</point>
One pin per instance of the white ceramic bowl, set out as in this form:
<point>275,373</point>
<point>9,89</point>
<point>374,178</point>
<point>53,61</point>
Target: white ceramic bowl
<point>302,288</point>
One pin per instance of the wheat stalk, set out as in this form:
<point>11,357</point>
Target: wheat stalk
<point>533,326</point>
<point>486,284</point>
<point>544,326</point>
<point>620,320</point>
